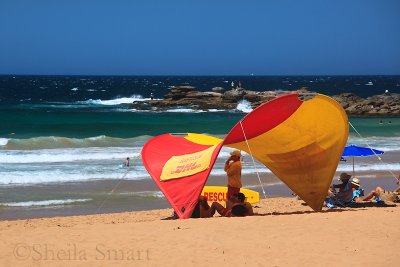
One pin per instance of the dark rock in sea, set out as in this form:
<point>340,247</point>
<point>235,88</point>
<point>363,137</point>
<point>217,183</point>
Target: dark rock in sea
<point>178,92</point>
<point>233,96</point>
<point>220,90</point>
<point>374,106</point>
<point>387,104</point>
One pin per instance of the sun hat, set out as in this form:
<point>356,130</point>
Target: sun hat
<point>355,181</point>
<point>236,153</point>
<point>344,176</point>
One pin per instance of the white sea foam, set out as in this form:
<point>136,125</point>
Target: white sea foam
<point>116,101</point>
<point>363,167</point>
<point>75,89</point>
<point>49,156</point>
<point>216,110</point>
<point>42,174</point>
<point>185,110</point>
<point>156,194</point>
<point>51,202</point>
<point>58,165</point>
<point>244,106</point>
<point>3,141</point>
<point>385,144</point>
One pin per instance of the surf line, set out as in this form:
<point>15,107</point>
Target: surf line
<point>119,182</point>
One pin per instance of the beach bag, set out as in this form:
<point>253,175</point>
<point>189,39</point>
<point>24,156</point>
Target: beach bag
<point>388,196</point>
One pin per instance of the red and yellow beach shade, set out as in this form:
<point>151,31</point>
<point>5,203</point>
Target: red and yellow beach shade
<point>180,166</point>
<point>299,141</point>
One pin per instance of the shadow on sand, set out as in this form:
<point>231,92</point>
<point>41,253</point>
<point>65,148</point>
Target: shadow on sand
<point>356,206</point>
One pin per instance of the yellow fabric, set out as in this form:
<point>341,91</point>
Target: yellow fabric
<point>304,150</point>
<point>218,194</point>
<point>186,165</point>
<point>203,139</point>
<point>234,173</point>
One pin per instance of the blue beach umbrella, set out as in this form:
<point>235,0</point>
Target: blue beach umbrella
<point>359,151</point>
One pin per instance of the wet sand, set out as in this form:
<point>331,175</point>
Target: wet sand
<point>111,196</point>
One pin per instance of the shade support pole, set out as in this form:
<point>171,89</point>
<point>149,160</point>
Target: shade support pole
<point>254,163</point>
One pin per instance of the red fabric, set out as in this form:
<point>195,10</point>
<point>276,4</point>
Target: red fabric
<point>231,191</point>
<point>277,111</point>
<point>181,193</point>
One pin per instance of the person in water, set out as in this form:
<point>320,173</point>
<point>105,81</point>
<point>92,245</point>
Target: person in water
<point>126,162</point>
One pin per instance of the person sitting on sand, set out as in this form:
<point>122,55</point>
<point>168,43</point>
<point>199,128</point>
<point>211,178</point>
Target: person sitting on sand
<point>202,209</point>
<point>381,194</point>
<point>242,199</point>
<point>351,191</point>
<point>344,178</point>
<point>235,207</point>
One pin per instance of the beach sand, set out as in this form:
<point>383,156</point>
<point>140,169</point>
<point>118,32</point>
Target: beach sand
<point>286,233</point>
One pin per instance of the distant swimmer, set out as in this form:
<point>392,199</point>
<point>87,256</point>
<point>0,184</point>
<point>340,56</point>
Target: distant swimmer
<point>380,122</point>
<point>126,163</point>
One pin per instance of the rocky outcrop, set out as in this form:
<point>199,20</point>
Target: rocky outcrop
<point>218,98</point>
<point>374,106</point>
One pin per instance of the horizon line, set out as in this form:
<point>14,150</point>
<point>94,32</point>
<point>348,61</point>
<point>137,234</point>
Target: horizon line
<point>199,75</point>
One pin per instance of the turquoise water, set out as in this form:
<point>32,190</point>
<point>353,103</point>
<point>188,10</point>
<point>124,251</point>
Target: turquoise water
<point>41,144</point>
<point>123,123</point>
<point>84,123</point>
<point>385,127</point>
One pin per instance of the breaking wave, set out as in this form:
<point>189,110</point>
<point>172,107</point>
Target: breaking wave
<point>244,106</point>
<point>113,102</point>
<point>41,203</point>
<point>50,142</point>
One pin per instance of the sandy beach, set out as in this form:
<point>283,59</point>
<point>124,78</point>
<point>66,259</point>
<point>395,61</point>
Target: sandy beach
<point>285,233</point>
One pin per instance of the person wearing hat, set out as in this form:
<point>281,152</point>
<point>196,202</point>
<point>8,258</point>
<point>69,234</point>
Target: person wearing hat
<point>233,169</point>
<point>344,178</point>
<point>351,191</point>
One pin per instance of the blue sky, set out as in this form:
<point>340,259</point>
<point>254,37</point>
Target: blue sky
<point>184,37</point>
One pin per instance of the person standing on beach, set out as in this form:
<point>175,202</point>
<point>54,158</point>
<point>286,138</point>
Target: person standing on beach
<point>233,169</point>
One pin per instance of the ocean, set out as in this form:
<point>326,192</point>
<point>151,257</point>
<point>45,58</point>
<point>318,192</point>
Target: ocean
<point>63,138</point>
